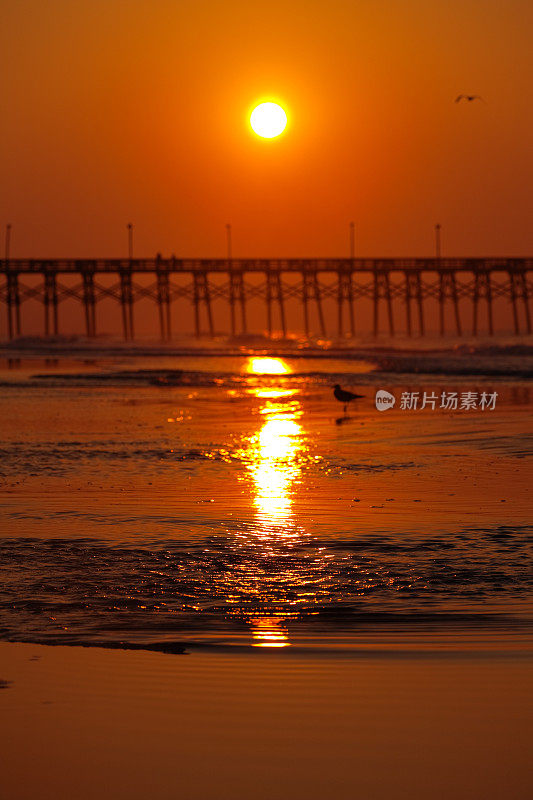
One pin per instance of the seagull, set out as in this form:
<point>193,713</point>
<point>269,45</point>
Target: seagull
<point>468,97</point>
<point>343,396</point>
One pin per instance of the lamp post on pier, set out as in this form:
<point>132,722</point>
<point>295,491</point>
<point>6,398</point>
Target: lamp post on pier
<point>130,240</point>
<point>8,242</point>
<point>228,241</point>
<point>437,241</point>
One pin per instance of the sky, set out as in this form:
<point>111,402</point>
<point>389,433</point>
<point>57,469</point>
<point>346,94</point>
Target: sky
<point>122,111</point>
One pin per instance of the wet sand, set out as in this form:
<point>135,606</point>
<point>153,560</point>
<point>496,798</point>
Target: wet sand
<point>91,723</point>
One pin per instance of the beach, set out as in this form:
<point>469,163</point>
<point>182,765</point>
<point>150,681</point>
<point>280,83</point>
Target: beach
<point>266,364</point>
<point>263,594</point>
<point>92,723</point>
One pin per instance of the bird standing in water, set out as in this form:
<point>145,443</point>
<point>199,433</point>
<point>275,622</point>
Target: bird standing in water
<point>345,397</point>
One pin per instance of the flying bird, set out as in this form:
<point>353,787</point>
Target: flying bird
<point>468,97</point>
<point>343,396</point>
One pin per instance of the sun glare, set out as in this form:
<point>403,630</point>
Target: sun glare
<point>268,120</point>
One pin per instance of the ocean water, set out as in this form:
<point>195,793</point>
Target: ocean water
<point>220,497</point>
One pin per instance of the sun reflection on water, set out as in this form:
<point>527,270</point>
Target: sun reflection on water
<point>262,365</point>
<point>273,459</point>
<point>269,632</point>
<point>272,393</point>
<point>274,466</point>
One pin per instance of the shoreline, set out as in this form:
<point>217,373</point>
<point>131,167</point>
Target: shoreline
<point>402,645</point>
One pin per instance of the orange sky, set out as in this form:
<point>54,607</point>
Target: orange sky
<point>129,110</point>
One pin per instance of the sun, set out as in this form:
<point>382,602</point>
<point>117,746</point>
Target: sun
<point>268,120</point>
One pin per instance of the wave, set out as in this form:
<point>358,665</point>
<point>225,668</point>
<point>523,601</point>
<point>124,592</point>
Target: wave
<point>214,588</point>
<point>381,367</point>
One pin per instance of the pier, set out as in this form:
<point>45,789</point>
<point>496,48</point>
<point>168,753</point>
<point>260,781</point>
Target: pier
<point>397,288</point>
